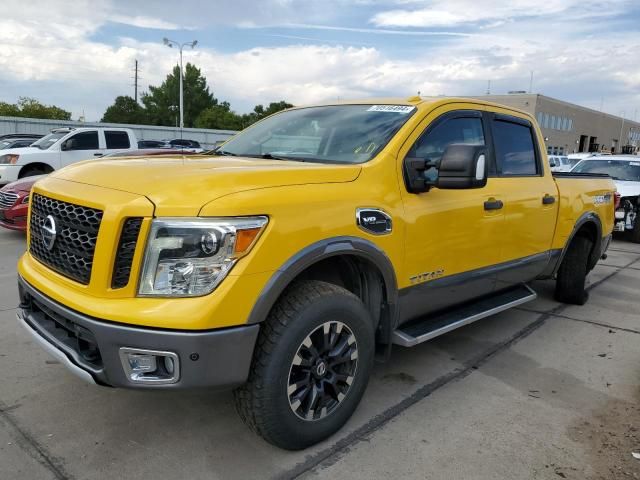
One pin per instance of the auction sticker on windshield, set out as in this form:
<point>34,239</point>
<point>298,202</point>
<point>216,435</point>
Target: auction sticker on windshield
<point>403,109</point>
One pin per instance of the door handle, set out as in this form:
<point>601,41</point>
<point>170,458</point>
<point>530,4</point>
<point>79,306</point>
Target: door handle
<point>548,199</point>
<point>493,205</point>
<point>98,154</point>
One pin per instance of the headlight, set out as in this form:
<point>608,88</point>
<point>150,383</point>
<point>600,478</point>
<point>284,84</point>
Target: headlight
<point>190,257</point>
<point>9,159</point>
<point>25,199</point>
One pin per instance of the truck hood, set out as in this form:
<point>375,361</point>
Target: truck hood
<point>627,189</point>
<point>22,151</point>
<point>181,185</point>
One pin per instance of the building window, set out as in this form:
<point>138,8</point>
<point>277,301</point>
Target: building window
<point>570,127</point>
<point>545,123</point>
<point>540,118</point>
<point>548,150</point>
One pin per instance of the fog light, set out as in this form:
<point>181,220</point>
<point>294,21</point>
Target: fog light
<point>150,366</point>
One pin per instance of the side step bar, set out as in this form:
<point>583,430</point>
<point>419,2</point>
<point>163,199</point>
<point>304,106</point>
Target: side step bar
<point>427,328</point>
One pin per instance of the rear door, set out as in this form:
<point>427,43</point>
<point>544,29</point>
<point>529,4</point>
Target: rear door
<point>80,146</point>
<point>116,140</point>
<point>530,199</point>
<point>453,237</point>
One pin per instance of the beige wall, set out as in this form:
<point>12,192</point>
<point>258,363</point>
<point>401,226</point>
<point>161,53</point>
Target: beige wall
<point>584,121</point>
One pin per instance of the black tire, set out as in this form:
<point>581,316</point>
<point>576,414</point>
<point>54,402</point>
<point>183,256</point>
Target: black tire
<point>32,172</point>
<point>635,233</point>
<point>570,284</point>
<point>265,402</point>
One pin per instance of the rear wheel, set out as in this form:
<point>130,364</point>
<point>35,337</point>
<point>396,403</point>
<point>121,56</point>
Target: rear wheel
<point>310,368</point>
<point>570,284</point>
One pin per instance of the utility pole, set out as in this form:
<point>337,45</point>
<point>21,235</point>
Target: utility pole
<point>135,82</point>
<point>531,83</point>
<point>488,87</point>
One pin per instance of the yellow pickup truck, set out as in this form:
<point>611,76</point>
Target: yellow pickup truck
<point>284,262</point>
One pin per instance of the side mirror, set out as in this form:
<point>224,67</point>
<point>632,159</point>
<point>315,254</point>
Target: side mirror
<point>463,166</point>
<point>69,144</point>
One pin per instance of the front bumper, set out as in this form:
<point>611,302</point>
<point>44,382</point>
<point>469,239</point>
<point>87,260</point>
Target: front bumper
<point>91,348</point>
<point>15,218</point>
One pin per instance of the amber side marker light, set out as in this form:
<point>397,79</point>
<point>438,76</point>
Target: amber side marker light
<point>244,239</point>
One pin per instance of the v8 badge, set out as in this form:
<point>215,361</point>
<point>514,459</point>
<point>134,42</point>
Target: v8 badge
<point>373,220</point>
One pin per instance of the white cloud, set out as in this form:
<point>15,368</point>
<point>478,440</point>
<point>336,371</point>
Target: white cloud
<point>447,13</point>
<point>51,54</point>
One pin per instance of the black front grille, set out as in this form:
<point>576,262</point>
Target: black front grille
<point>126,250</point>
<point>77,231</point>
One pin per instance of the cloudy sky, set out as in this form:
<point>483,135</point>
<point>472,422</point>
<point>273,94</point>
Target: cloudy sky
<point>80,54</point>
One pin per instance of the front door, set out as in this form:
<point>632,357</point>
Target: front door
<point>81,146</point>
<point>453,237</point>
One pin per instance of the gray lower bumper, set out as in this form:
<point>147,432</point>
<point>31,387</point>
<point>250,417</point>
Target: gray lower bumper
<point>90,347</point>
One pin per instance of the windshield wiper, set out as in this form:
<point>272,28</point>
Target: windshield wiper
<point>271,156</point>
<point>220,153</point>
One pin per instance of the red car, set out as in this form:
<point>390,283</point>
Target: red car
<point>14,203</point>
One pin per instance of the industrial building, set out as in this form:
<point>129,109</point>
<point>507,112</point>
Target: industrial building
<point>570,128</point>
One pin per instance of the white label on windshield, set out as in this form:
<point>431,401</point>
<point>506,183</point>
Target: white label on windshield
<point>635,164</point>
<point>403,109</point>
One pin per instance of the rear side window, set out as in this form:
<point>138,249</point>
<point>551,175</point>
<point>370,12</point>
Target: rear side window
<point>514,147</point>
<point>117,139</point>
<point>84,141</point>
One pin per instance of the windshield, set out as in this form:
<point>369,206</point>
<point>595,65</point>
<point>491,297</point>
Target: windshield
<point>618,169</point>
<point>332,134</point>
<point>48,140</point>
<point>5,143</point>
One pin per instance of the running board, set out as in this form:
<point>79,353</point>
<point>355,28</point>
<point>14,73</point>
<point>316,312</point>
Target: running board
<point>425,329</point>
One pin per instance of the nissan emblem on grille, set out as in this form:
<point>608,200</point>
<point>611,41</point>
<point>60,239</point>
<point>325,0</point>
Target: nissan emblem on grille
<point>49,233</point>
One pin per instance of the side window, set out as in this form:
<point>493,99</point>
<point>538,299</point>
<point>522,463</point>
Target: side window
<point>84,141</point>
<point>514,147</point>
<point>117,139</point>
<point>432,144</point>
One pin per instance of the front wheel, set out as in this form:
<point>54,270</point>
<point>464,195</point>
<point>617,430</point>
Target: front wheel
<point>310,368</point>
<point>572,274</point>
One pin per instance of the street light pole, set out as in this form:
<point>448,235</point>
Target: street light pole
<point>171,44</point>
<point>621,128</point>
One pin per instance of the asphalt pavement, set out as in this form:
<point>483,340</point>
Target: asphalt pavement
<point>545,391</point>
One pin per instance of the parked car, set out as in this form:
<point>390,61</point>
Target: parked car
<point>314,240</point>
<point>14,203</point>
<point>11,141</point>
<point>561,163</point>
<point>152,144</point>
<point>625,171</point>
<point>185,144</point>
<point>62,147</point>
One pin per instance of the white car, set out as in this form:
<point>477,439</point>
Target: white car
<point>625,171</point>
<point>62,147</point>
<point>561,163</point>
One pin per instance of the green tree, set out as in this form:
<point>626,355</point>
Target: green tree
<point>125,110</point>
<point>161,102</point>
<point>220,117</point>
<point>32,108</point>
<point>259,112</point>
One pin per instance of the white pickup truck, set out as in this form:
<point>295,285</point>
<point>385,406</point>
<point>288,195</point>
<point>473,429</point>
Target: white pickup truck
<point>63,146</point>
